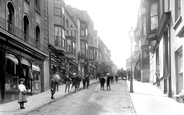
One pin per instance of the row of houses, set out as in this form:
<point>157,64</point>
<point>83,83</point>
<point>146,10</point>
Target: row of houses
<point>39,36</point>
<point>158,53</point>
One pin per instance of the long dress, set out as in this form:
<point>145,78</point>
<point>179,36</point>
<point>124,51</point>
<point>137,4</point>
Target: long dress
<point>22,97</point>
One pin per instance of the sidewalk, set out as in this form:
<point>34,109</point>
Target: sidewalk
<point>150,100</point>
<point>36,101</point>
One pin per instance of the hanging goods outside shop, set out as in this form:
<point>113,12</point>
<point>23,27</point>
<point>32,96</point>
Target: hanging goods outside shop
<point>56,78</point>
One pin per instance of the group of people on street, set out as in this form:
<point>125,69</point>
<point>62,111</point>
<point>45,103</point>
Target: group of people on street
<point>70,79</point>
<point>109,79</point>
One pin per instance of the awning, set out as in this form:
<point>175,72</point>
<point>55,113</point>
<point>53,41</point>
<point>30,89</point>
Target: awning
<point>92,65</point>
<point>35,68</point>
<point>163,24</point>
<point>12,58</point>
<point>72,62</point>
<point>25,62</point>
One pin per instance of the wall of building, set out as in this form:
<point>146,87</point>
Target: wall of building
<point>152,67</point>
<point>176,43</point>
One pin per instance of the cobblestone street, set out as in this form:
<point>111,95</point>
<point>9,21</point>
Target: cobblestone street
<point>92,101</point>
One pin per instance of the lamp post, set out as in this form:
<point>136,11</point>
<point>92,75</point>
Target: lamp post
<point>131,34</point>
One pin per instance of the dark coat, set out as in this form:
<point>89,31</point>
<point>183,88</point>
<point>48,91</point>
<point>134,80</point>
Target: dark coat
<point>108,80</point>
<point>102,80</point>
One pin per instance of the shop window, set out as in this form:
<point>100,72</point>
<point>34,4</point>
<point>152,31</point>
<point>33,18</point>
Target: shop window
<point>10,13</point>
<point>11,73</point>
<point>36,71</point>
<point>26,72</point>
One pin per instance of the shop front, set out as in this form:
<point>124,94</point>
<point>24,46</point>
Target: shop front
<point>16,64</point>
<point>57,62</point>
<point>72,67</point>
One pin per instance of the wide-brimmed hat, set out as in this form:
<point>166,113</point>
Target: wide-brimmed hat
<point>21,79</point>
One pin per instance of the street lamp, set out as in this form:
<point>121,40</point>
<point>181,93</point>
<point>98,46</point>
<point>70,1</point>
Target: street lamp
<point>131,34</point>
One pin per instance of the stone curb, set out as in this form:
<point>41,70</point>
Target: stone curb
<point>29,111</point>
<point>134,113</point>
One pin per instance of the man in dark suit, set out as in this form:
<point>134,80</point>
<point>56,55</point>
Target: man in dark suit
<point>108,81</point>
<point>102,82</point>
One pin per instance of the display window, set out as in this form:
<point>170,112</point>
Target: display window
<point>11,76</point>
<point>36,84</point>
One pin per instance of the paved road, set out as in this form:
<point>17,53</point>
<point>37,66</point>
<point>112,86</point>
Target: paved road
<point>92,101</point>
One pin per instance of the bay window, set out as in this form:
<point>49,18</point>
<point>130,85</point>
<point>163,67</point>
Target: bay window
<point>144,25</point>
<point>83,47</point>
<point>63,38</point>
<point>69,46</point>
<point>154,16</point>
<point>82,33</point>
<point>57,35</point>
<point>86,50</point>
<point>91,54</point>
<point>74,48</point>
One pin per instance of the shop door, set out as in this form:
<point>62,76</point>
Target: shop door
<point>2,79</point>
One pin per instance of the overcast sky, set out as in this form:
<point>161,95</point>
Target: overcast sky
<point>112,19</point>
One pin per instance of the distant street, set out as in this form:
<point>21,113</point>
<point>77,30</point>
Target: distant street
<point>92,101</point>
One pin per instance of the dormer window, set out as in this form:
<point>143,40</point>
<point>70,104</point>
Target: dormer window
<point>154,16</point>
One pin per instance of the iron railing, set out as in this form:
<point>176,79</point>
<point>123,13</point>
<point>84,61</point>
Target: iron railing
<point>12,29</point>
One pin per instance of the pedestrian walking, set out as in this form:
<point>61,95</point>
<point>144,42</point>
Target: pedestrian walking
<point>22,98</point>
<point>84,82</point>
<point>67,83</point>
<point>112,79</point>
<point>129,75</point>
<point>116,78</point>
<point>87,80</point>
<point>53,88</point>
<point>57,86</point>
<point>54,80</point>
<point>108,82</point>
<point>78,79</point>
<point>74,81</point>
<point>102,82</point>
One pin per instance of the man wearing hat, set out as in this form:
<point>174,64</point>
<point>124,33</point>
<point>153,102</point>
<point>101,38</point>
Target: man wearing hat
<point>22,98</point>
<point>74,81</point>
<point>108,81</point>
